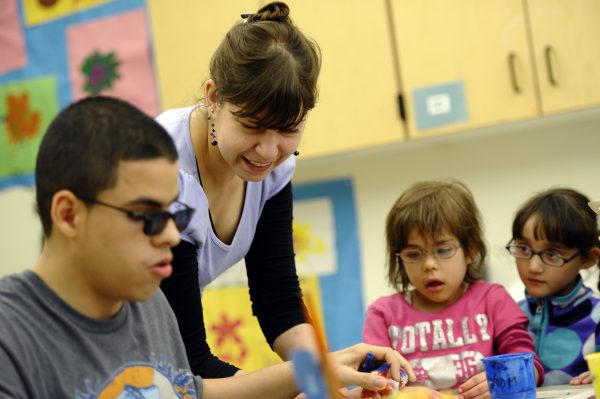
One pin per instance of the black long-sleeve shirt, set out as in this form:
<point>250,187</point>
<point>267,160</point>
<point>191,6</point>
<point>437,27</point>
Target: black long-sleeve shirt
<point>272,280</point>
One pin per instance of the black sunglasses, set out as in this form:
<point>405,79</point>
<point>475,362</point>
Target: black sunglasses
<point>154,221</point>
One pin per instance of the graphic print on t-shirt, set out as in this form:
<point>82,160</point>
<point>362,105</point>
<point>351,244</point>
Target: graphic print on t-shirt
<point>143,380</point>
<point>450,365</point>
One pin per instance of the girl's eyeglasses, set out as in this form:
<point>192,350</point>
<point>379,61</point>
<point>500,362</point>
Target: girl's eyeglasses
<point>550,258</point>
<point>414,255</point>
<point>154,221</point>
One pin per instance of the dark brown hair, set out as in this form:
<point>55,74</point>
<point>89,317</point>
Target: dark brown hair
<point>562,216</point>
<point>430,207</point>
<point>268,68</point>
<point>85,143</point>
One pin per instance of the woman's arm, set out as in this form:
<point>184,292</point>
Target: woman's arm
<point>182,290</point>
<point>272,278</point>
<point>277,381</point>
<point>299,336</point>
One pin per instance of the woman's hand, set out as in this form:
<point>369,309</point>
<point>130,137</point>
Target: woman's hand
<point>345,364</point>
<point>475,387</point>
<point>583,378</point>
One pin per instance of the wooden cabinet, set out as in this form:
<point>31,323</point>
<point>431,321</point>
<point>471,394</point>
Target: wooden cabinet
<point>471,55</point>
<point>458,64</point>
<point>357,106</point>
<point>471,63</point>
<point>185,35</point>
<point>565,36</point>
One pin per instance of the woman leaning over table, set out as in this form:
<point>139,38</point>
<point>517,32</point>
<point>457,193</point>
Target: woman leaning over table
<point>236,155</point>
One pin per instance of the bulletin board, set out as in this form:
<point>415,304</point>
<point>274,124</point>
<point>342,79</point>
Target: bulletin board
<point>57,51</point>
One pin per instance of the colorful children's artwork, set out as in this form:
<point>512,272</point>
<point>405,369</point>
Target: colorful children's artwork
<point>26,109</point>
<point>12,42</point>
<point>101,62</point>
<point>333,221</point>
<point>34,70</point>
<point>233,333</point>
<point>41,11</point>
<point>314,237</point>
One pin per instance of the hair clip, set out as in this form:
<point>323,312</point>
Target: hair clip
<point>246,16</point>
<point>595,205</point>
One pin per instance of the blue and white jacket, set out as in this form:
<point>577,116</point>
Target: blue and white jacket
<point>564,329</point>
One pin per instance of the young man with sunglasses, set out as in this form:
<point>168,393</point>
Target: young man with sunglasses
<point>88,320</point>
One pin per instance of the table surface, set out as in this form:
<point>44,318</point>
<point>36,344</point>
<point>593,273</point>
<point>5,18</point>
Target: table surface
<point>567,391</point>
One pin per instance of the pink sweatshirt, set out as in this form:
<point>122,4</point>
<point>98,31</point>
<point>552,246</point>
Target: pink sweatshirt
<point>445,348</point>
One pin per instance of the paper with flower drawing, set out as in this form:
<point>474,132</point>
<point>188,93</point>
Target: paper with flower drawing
<point>26,108</point>
<point>233,332</point>
<point>314,237</point>
<point>102,62</point>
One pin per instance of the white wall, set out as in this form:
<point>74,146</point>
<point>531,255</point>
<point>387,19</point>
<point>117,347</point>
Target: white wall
<point>503,166</point>
<point>21,232</point>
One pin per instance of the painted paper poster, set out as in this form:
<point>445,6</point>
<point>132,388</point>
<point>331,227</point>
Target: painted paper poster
<point>314,237</point>
<point>26,109</point>
<point>233,333</point>
<point>328,211</point>
<point>40,11</point>
<point>111,56</point>
<point>325,238</point>
<point>12,42</point>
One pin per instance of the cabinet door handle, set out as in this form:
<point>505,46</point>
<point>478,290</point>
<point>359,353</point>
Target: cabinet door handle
<point>513,73</point>
<point>548,50</point>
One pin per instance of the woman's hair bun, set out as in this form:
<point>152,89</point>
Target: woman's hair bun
<point>276,11</point>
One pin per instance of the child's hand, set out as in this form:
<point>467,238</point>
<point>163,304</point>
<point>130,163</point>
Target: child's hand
<point>583,378</point>
<point>475,387</point>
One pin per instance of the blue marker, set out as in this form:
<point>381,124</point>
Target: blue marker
<point>369,363</point>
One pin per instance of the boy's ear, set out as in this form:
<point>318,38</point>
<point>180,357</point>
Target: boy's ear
<point>65,212</point>
<point>590,258</point>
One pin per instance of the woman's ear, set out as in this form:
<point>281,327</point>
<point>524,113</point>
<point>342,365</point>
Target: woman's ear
<point>65,212</point>
<point>210,93</point>
<point>590,258</point>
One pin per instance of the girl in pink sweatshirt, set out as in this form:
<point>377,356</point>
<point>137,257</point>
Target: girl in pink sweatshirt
<point>444,319</point>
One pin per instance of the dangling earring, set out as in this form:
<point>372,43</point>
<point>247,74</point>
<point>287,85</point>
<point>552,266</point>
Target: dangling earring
<point>296,153</point>
<point>213,136</point>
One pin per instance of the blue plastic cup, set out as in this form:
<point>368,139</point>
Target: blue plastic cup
<point>510,376</point>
